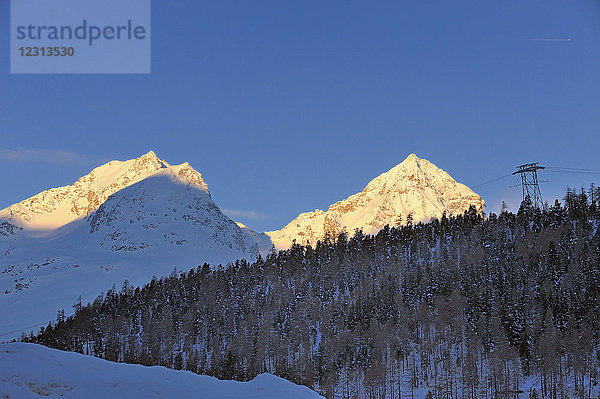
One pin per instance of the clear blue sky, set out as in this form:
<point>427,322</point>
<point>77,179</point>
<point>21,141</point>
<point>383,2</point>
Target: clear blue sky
<point>285,107</point>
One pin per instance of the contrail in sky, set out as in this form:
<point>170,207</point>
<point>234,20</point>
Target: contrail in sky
<point>548,40</point>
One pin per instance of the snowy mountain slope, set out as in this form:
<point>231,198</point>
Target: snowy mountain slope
<point>415,186</point>
<point>33,371</point>
<point>174,207</point>
<point>56,207</point>
<point>265,246</point>
<point>164,221</point>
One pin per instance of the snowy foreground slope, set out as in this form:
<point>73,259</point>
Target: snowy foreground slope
<point>124,221</point>
<point>33,371</point>
<point>414,187</point>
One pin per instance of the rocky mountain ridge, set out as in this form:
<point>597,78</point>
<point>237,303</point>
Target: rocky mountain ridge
<point>56,207</point>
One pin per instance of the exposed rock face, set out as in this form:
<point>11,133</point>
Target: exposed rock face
<point>8,229</point>
<point>415,187</point>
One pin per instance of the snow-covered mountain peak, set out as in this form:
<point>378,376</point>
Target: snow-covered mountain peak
<point>414,187</point>
<point>169,209</point>
<point>188,175</point>
<point>151,155</point>
<point>413,171</point>
<point>56,207</point>
<point>125,220</point>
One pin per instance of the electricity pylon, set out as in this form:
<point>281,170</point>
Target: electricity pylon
<point>530,182</point>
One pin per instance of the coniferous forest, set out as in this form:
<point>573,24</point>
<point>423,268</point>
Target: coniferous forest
<point>462,307</point>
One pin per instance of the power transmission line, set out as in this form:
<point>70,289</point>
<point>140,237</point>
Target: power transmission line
<point>576,172</point>
<point>23,329</point>
<point>492,181</point>
<point>559,168</point>
<point>553,169</point>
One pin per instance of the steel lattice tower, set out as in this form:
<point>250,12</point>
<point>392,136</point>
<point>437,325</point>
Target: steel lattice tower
<point>530,182</point>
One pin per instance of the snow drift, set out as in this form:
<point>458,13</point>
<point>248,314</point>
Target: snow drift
<point>33,371</point>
